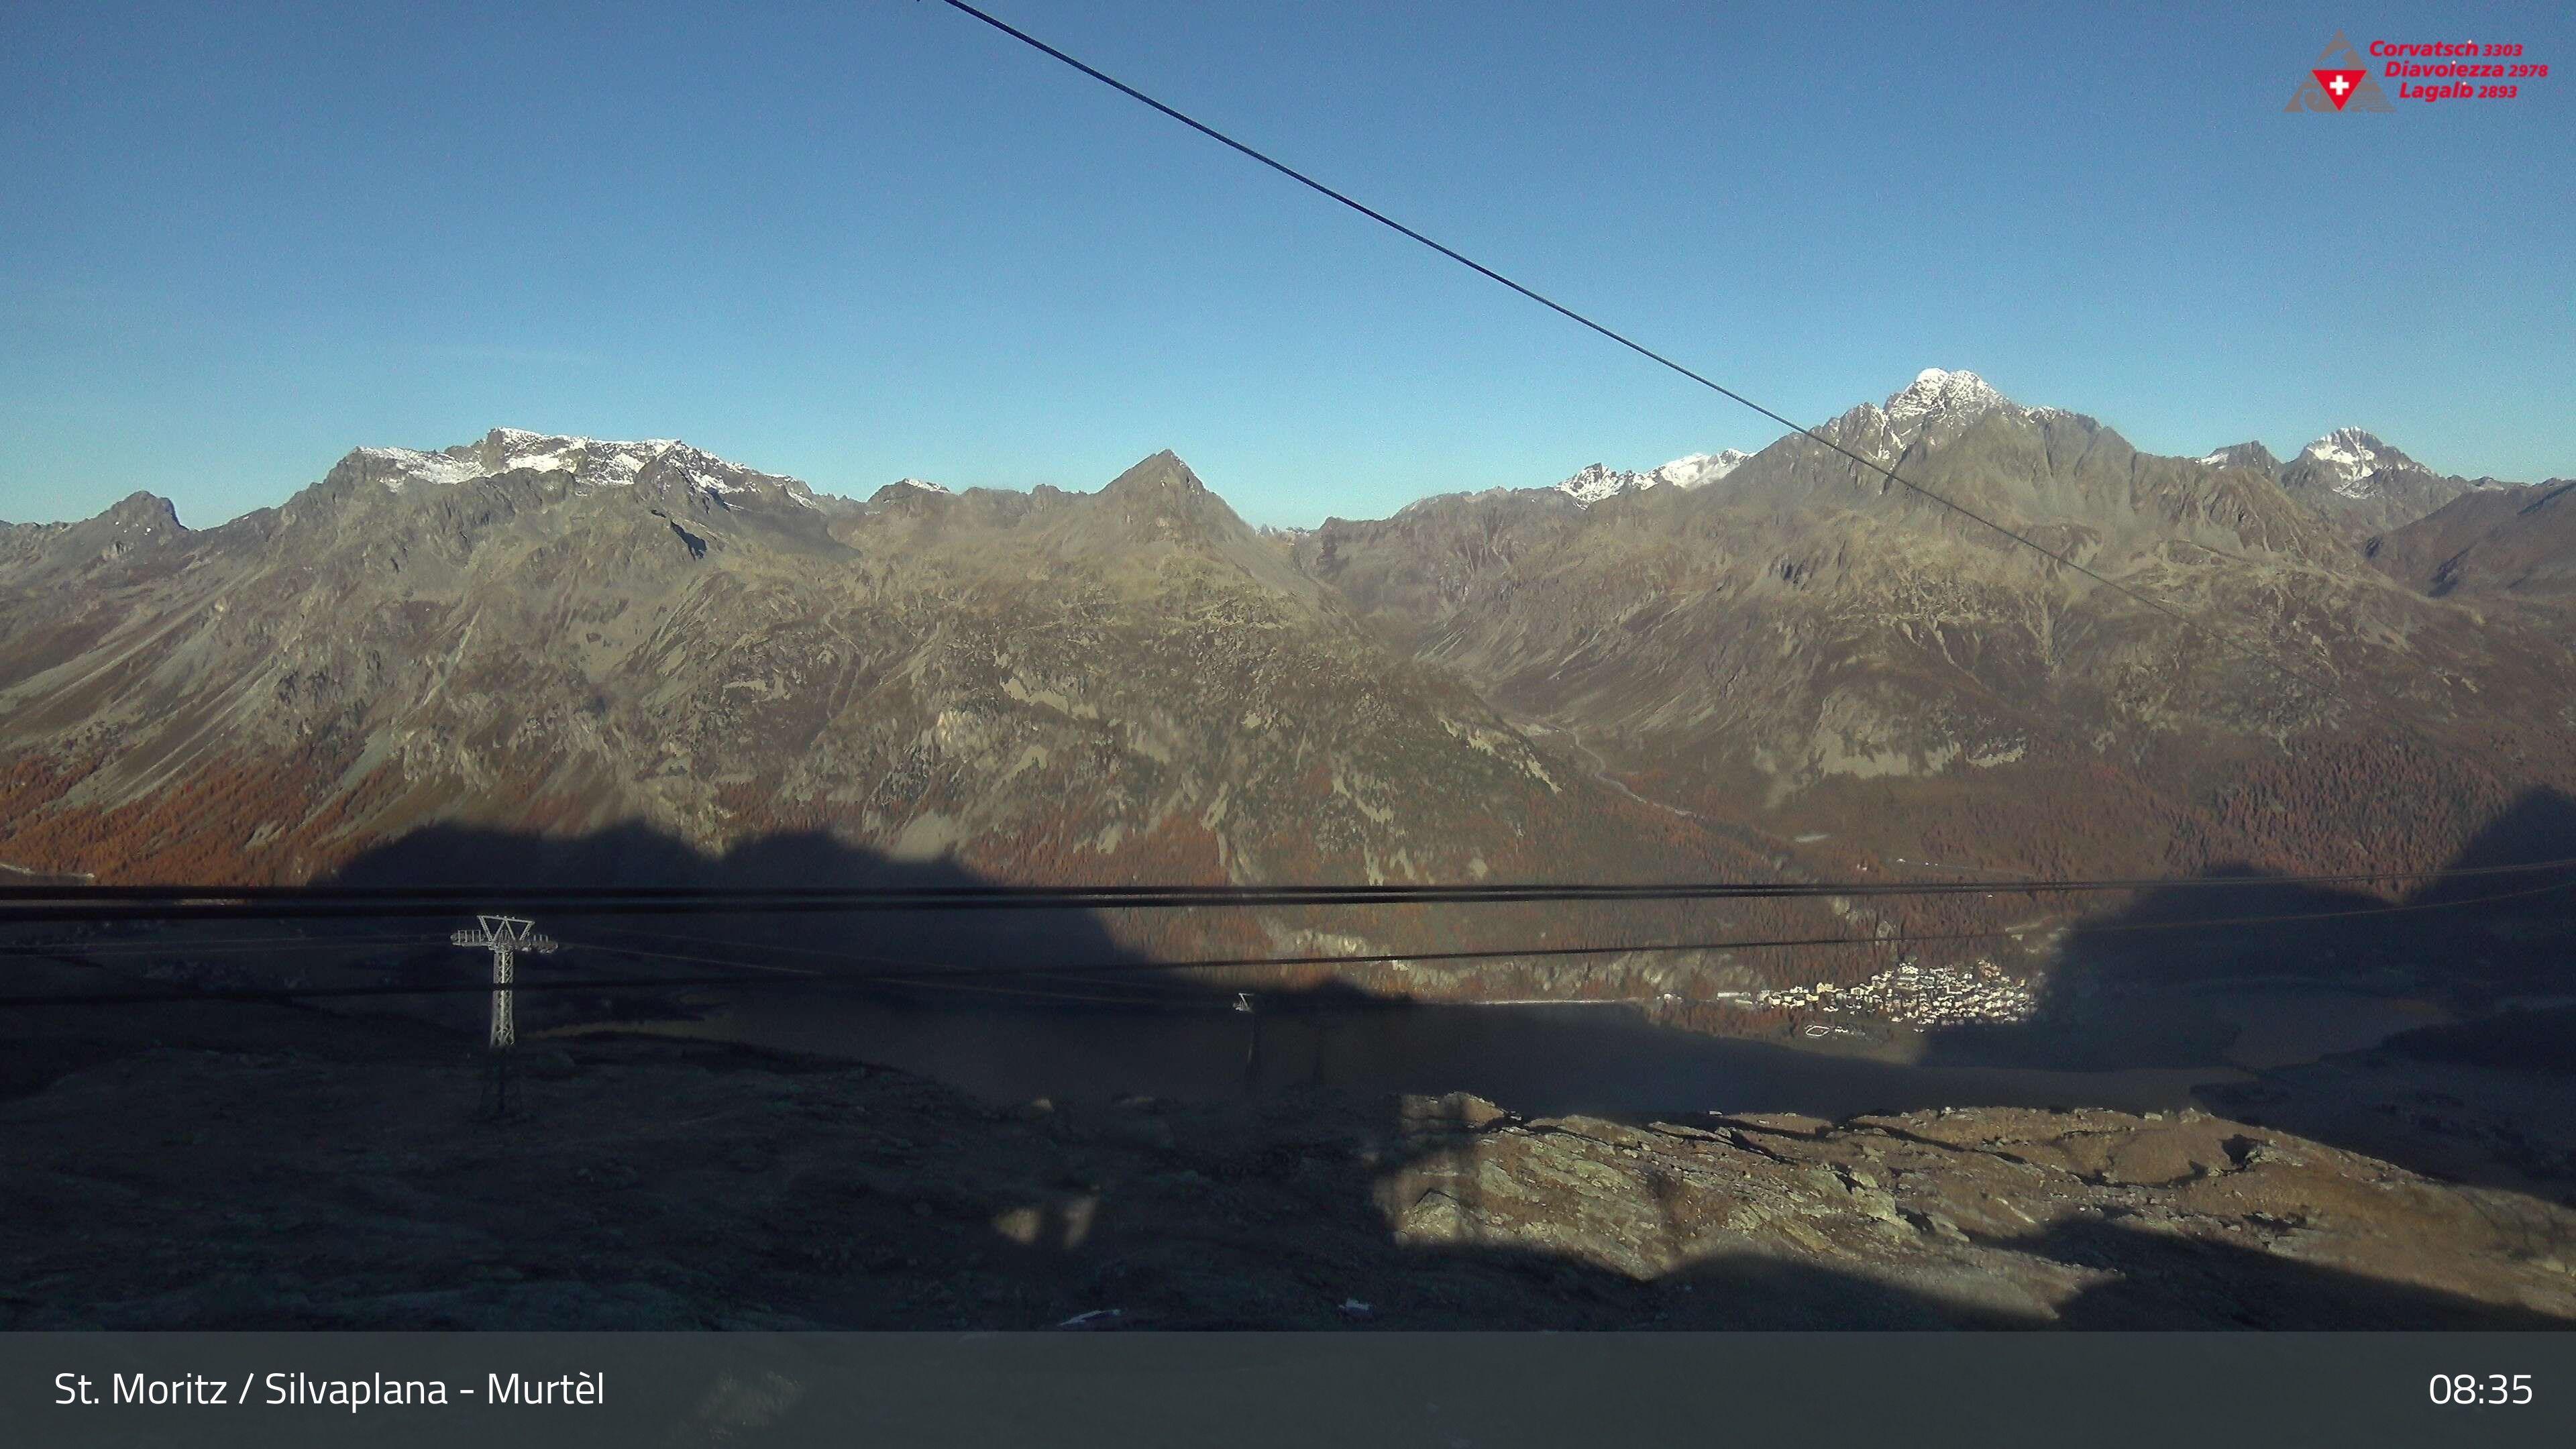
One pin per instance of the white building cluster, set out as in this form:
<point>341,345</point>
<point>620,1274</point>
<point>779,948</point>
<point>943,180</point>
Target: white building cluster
<point>1916,996</point>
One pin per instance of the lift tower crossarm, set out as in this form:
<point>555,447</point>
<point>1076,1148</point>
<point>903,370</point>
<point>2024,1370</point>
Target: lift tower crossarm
<point>505,937</point>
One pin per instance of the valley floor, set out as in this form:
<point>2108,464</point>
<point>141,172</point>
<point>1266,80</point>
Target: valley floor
<point>240,1165</point>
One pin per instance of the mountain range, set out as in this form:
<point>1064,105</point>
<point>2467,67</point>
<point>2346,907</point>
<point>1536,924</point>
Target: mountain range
<point>1776,663</point>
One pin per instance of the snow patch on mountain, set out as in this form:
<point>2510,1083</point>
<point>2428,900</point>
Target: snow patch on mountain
<point>1598,481</point>
<point>2350,451</point>
<point>1939,396</point>
<point>1698,470</point>
<point>1937,405</point>
<point>924,484</point>
<point>2250,454</point>
<point>1695,470</point>
<point>588,462</point>
<point>2351,458</point>
<point>400,466</point>
<point>1939,391</point>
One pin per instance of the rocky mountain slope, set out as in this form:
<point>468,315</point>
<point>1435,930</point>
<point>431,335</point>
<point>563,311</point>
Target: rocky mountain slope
<point>559,635</point>
<point>2245,455</point>
<point>2493,543</point>
<point>2351,476</point>
<point>1728,666</point>
<point>1813,651</point>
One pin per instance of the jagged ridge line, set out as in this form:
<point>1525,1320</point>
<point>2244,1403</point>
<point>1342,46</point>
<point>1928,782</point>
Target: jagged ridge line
<point>2322,688</point>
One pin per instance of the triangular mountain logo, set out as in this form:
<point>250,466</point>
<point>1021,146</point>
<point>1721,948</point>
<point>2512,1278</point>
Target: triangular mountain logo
<point>2340,81</point>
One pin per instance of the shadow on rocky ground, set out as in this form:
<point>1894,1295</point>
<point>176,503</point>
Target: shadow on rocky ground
<point>315,1171</point>
<point>252,1164</point>
<point>2479,1099</point>
<point>2470,938</point>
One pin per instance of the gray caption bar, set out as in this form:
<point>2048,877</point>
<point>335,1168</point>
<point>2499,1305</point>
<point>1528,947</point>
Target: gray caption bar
<point>1450,1391</point>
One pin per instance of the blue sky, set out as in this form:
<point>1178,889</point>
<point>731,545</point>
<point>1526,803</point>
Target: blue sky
<point>858,240</point>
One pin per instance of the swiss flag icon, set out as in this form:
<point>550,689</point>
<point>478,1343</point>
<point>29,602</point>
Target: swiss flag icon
<point>2338,83</point>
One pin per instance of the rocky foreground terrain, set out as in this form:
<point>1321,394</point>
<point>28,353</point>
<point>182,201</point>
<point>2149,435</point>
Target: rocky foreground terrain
<point>246,1165</point>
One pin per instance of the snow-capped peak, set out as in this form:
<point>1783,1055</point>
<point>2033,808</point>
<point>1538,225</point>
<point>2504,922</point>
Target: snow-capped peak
<point>1598,481</point>
<point>1696,470</point>
<point>2345,450</point>
<point>1937,398</point>
<point>589,460</point>
<point>1936,391</point>
<point>2350,456</point>
<point>924,484</point>
<point>586,462</point>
